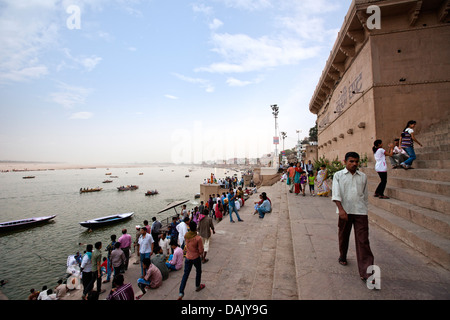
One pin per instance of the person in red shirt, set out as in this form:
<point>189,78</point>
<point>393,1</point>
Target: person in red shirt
<point>194,252</point>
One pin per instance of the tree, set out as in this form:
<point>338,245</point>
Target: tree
<point>313,133</point>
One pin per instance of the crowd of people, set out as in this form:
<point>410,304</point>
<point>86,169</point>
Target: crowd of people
<point>158,252</point>
<point>228,182</point>
<point>400,152</point>
<point>300,175</point>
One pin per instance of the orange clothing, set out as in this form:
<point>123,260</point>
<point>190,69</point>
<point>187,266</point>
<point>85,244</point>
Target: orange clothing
<point>291,172</point>
<point>194,245</point>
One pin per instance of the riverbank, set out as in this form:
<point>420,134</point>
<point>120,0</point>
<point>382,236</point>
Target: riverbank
<point>44,166</point>
<point>291,254</point>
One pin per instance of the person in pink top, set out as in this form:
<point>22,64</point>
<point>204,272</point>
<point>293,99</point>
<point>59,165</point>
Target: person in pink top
<point>176,259</point>
<point>125,245</point>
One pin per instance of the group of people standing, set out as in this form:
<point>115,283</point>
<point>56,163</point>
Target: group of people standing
<point>228,182</point>
<point>94,265</point>
<point>299,175</point>
<point>401,154</point>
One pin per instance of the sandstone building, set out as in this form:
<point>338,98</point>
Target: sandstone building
<point>376,80</point>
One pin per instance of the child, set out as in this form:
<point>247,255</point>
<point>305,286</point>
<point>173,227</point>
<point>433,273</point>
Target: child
<point>311,179</point>
<point>303,180</point>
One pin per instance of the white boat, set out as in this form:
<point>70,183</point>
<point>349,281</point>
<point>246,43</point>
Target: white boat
<point>103,221</point>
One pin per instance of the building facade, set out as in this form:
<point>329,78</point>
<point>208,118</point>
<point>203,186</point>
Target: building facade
<point>378,77</point>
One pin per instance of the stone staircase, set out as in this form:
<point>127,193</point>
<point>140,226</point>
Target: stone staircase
<point>418,212</point>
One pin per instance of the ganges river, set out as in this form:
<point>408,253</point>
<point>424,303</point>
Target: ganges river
<point>37,256</point>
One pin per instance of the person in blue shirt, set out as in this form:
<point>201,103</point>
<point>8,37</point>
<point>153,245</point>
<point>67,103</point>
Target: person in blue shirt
<point>232,206</point>
<point>264,207</point>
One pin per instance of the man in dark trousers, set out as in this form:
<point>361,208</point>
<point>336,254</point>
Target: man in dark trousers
<point>350,193</point>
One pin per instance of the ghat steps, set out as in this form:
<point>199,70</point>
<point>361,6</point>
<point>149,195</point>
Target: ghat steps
<point>418,212</point>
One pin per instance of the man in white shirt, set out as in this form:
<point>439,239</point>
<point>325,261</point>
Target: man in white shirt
<point>182,230</point>
<point>145,244</point>
<point>164,244</point>
<point>350,193</point>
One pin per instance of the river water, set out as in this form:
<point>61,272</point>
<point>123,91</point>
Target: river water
<point>37,256</point>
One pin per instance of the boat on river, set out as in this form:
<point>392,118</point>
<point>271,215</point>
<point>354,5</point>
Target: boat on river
<point>131,187</point>
<point>24,223</point>
<point>91,190</point>
<point>29,177</point>
<point>107,220</point>
<point>151,192</point>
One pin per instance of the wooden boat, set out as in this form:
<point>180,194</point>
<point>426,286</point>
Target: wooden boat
<point>107,181</point>
<point>132,187</point>
<point>29,177</point>
<point>197,195</point>
<point>107,220</point>
<point>24,223</point>
<point>151,192</point>
<point>91,190</point>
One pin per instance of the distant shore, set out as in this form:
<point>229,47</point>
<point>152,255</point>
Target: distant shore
<point>43,166</point>
<point>10,166</point>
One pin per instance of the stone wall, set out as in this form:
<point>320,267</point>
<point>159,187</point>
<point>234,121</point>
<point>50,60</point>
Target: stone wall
<point>376,80</point>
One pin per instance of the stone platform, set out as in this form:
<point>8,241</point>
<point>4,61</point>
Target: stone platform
<point>292,254</point>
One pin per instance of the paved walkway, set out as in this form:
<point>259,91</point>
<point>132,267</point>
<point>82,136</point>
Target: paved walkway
<point>292,254</point>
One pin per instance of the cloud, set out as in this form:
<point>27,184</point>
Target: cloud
<point>215,24</point>
<point>300,33</point>
<point>26,31</point>
<point>84,115</point>
<point>24,74</point>
<point>87,62</point>
<point>31,30</point>
<point>308,6</point>
<point>203,83</point>
<point>248,4</point>
<point>201,8</point>
<point>233,82</point>
<point>242,53</point>
<point>168,96</point>
<point>69,96</point>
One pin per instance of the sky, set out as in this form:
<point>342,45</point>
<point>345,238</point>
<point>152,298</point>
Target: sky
<point>151,81</point>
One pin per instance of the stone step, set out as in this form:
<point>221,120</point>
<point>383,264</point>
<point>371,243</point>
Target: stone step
<point>426,200</point>
<point>431,164</point>
<point>433,149</point>
<point>438,155</point>
<point>434,138</point>
<point>284,288</point>
<point>430,186</point>
<point>425,241</point>
<point>432,220</point>
<point>261,287</point>
<point>425,174</point>
<point>432,132</point>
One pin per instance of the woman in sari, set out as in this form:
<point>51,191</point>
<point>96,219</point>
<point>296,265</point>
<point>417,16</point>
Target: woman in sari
<point>218,209</point>
<point>322,186</point>
<point>297,177</point>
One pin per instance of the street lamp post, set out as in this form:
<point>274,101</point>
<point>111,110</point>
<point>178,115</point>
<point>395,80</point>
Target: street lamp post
<point>275,111</point>
<point>283,136</point>
<point>299,146</point>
